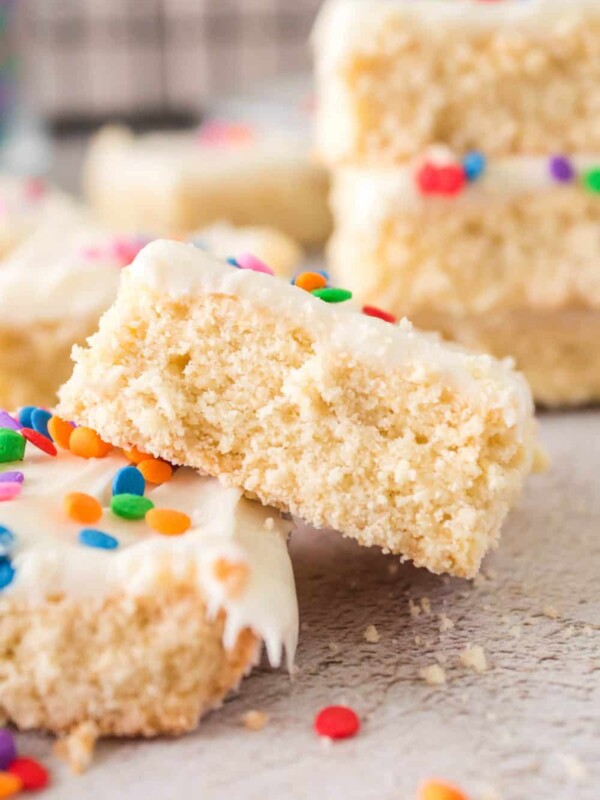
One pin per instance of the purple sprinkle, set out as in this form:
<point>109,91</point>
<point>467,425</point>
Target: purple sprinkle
<point>11,477</point>
<point>561,169</point>
<point>8,750</point>
<point>6,421</point>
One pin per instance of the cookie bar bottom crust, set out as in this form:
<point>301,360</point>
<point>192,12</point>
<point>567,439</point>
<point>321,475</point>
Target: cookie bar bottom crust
<point>556,350</point>
<point>34,361</point>
<point>395,458</point>
<point>131,666</point>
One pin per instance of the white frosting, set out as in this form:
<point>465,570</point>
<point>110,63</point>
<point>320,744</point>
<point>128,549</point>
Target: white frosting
<point>21,211</point>
<point>49,278</point>
<point>367,197</point>
<point>169,159</point>
<point>48,558</point>
<point>269,245</point>
<point>181,269</point>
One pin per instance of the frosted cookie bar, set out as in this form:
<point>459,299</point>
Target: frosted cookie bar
<point>499,254</point>
<point>173,183</point>
<point>132,597</point>
<point>23,205</point>
<point>396,76</point>
<point>343,419</point>
<point>53,289</point>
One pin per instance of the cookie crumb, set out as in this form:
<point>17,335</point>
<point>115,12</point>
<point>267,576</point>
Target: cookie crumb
<point>255,720</point>
<point>334,647</point>
<point>415,610</point>
<point>433,675</point>
<point>77,748</point>
<point>371,634</point>
<point>568,632</point>
<point>473,657</point>
<point>541,461</point>
<point>426,605</point>
<point>550,612</point>
<point>446,624</point>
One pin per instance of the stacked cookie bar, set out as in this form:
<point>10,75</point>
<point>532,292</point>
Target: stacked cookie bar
<point>465,144</point>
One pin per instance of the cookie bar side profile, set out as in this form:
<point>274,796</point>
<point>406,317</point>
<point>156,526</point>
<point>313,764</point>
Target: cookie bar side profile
<point>510,253</point>
<point>174,183</point>
<point>396,76</point>
<point>128,622</point>
<point>347,421</point>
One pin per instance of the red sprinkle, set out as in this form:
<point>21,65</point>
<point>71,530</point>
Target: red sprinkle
<point>373,311</point>
<point>39,440</point>
<point>32,773</point>
<point>447,179</point>
<point>337,722</point>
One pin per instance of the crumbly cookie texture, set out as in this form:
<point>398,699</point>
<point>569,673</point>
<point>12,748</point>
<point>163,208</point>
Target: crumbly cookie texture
<point>508,266</point>
<point>114,622</point>
<point>174,183</point>
<point>350,422</point>
<point>133,666</point>
<point>396,76</point>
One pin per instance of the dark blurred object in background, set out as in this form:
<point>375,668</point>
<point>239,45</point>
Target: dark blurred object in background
<point>87,60</point>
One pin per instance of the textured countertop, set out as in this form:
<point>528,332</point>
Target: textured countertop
<point>527,729</point>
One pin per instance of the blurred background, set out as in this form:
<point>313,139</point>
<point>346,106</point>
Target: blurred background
<point>68,66</point>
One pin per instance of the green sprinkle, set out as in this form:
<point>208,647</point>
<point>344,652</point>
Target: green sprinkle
<point>591,180</point>
<point>331,295</point>
<point>12,445</point>
<point>130,506</point>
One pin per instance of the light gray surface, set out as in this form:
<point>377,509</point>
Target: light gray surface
<point>529,729</point>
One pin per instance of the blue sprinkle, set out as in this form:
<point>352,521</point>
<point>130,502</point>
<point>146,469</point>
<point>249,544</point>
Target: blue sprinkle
<point>11,477</point>
<point>474,165</point>
<point>7,541</point>
<point>39,421</point>
<point>7,572</point>
<point>95,538</point>
<point>8,421</point>
<point>129,480</point>
<point>25,416</point>
<point>233,262</point>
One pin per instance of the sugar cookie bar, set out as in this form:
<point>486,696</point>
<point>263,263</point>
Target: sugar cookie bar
<point>511,253</point>
<point>23,204</point>
<point>53,289</point>
<point>131,598</point>
<point>387,435</point>
<point>173,183</point>
<point>396,76</point>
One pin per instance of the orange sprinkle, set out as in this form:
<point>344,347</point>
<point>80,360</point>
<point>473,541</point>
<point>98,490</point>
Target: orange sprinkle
<point>233,574</point>
<point>167,521</point>
<point>60,430</point>
<point>86,443</point>
<point>9,784</point>
<point>433,789</point>
<point>310,281</point>
<point>82,507</point>
<point>155,471</point>
<point>135,456</point>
